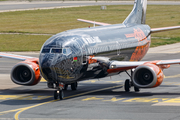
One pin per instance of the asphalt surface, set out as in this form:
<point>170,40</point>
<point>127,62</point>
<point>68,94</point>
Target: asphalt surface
<point>6,6</point>
<point>95,99</point>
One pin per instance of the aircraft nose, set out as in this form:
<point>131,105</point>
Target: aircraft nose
<point>45,64</point>
<point>48,64</point>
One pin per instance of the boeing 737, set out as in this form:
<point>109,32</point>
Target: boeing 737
<point>95,52</point>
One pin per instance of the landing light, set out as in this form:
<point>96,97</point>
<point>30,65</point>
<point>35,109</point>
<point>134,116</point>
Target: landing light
<point>113,66</point>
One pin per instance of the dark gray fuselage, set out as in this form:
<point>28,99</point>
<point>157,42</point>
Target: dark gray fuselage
<point>85,53</point>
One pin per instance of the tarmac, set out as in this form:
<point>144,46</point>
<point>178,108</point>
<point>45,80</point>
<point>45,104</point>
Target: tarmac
<point>96,99</point>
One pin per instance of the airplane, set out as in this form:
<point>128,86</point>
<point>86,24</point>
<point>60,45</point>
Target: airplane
<point>95,52</point>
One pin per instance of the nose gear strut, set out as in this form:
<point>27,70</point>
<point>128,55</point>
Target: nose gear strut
<point>59,92</point>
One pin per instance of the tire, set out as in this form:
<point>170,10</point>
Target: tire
<point>74,86</point>
<point>65,87</point>
<point>55,95</point>
<point>127,85</point>
<point>136,89</point>
<point>61,95</point>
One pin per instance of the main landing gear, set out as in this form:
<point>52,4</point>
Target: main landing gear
<point>128,83</point>
<point>73,86</point>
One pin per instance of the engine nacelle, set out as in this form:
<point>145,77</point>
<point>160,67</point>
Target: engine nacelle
<point>147,76</point>
<point>26,73</point>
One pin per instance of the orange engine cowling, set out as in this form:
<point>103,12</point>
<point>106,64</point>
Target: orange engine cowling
<point>26,73</point>
<point>147,76</point>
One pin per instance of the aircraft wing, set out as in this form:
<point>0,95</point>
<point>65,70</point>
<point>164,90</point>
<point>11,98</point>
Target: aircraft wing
<point>13,56</point>
<point>125,65</point>
<point>93,22</point>
<point>154,30</point>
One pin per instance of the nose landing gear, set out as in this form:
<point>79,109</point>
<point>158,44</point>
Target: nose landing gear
<point>59,92</point>
<point>60,87</point>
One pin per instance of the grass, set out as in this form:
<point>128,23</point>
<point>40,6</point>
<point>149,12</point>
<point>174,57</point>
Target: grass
<point>162,41</point>
<point>58,20</point>
<point>22,42</point>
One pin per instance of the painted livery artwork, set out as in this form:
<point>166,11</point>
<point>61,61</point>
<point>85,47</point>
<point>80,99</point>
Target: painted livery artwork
<point>143,44</point>
<point>96,52</point>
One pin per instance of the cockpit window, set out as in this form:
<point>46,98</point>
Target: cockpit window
<point>64,51</point>
<point>67,51</point>
<point>45,50</point>
<point>56,50</point>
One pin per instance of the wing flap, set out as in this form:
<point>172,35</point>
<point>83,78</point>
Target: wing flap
<point>13,56</point>
<point>93,22</point>
<point>154,30</point>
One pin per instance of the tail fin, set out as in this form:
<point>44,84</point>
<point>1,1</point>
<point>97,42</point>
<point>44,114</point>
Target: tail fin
<point>138,14</point>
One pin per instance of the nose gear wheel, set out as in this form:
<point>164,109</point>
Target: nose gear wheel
<point>59,92</point>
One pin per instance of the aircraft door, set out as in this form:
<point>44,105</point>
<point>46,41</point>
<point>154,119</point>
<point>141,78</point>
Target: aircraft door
<point>83,53</point>
<point>84,62</point>
<point>118,48</point>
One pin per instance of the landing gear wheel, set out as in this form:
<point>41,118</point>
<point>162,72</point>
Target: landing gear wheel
<point>74,86</point>
<point>55,95</point>
<point>136,89</point>
<point>127,85</point>
<point>61,95</point>
<point>65,87</point>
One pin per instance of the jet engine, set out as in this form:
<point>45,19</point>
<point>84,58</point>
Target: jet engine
<point>26,73</point>
<point>147,76</point>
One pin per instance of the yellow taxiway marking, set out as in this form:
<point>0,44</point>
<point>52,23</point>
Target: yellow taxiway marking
<point>115,99</point>
<point>170,102</point>
<point>152,100</point>
<point>22,97</point>
<point>173,76</point>
<point>7,97</point>
<point>158,101</point>
<point>16,116</point>
<point>43,80</point>
<point>92,91</point>
<point>92,98</point>
<point>20,110</point>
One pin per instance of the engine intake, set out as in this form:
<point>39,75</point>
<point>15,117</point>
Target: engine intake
<point>147,76</point>
<point>26,73</point>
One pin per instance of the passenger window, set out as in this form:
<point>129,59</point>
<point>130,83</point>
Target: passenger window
<point>56,50</point>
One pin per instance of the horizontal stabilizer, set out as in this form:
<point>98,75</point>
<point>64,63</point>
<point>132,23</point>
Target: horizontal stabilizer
<point>154,30</point>
<point>93,22</point>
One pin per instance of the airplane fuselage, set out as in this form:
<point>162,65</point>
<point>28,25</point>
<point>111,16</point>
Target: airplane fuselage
<point>81,54</point>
